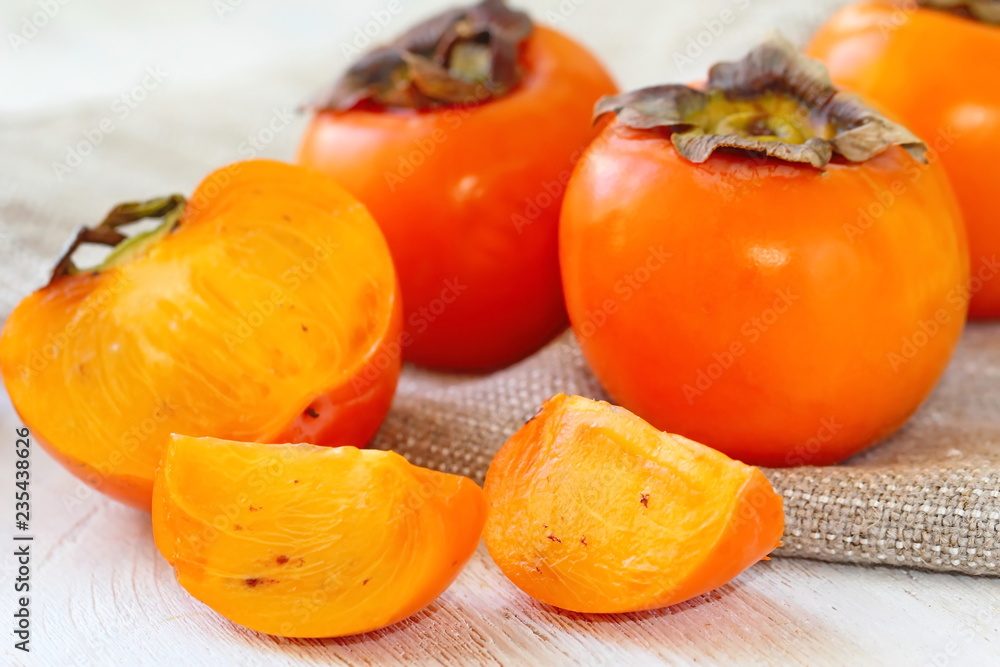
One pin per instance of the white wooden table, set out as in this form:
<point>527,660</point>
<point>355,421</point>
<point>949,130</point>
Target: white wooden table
<point>101,594</point>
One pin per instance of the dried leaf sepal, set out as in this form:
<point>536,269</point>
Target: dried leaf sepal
<point>987,11</point>
<point>460,56</point>
<point>774,101</point>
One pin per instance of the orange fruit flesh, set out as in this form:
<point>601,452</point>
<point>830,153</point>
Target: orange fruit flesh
<point>254,320</point>
<point>306,541</point>
<point>591,509</point>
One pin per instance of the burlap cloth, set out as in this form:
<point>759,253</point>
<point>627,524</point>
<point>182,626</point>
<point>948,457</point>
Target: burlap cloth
<point>928,498</point>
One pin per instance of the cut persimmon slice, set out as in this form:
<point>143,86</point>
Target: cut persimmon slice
<point>591,509</point>
<point>307,541</point>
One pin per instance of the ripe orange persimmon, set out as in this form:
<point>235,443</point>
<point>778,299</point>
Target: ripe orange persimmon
<point>937,71</point>
<point>591,509</point>
<point>264,308</point>
<point>464,170</point>
<point>760,266</point>
<point>306,541</point>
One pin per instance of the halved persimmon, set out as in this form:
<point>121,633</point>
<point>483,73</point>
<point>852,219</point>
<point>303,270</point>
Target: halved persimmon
<point>591,509</point>
<point>263,308</point>
<point>305,541</point>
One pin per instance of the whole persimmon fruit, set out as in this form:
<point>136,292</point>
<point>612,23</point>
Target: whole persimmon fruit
<point>591,509</point>
<point>934,64</point>
<point>263,308</point>
<point>305,541</point>
<point>760,266</point>
<point>460,137</point>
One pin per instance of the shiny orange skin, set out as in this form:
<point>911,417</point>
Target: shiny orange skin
<point>468,198</point>
<point>937,73</point>
<point>750,305</point>
<point>271,313</point>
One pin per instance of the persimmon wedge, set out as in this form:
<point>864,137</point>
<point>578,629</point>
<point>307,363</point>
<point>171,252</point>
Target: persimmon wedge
<point>591,509</point>
<point>305,541</point>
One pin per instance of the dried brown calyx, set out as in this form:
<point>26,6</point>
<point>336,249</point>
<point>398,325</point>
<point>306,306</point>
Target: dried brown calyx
<point>987,11</point>
<point>123,247</point>
<point>774,101</point>
<point>461,56</point>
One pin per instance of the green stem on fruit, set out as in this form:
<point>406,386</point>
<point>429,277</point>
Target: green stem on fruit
<point>124,248</point>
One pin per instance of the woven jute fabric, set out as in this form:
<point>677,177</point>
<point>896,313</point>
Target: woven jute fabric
<point>928,498</point>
